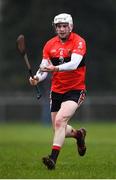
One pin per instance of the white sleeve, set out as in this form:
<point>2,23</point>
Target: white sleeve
<point>44,63</point>
<point>73,64</point>
<point>42,75</point>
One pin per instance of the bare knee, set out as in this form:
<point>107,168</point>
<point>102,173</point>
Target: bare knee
<point>61,122</point>
<point>58,123</point>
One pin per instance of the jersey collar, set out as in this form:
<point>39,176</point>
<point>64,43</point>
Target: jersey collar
<point>70,37</point>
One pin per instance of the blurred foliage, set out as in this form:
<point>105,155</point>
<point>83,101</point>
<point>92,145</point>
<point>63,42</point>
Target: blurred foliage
<point>94,20</point>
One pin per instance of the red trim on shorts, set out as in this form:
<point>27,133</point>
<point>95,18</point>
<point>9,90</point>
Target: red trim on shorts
<point>81,98</point>
<point>56,147</point>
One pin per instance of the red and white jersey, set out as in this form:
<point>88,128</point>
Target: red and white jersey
<point>59,53</point>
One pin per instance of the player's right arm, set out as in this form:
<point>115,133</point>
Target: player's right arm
<point>39,76</point>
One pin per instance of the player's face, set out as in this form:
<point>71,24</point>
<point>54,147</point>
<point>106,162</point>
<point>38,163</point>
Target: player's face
<point>63,30</point>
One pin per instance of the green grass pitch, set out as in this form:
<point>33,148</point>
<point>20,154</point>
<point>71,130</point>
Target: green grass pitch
<point>23,145</point>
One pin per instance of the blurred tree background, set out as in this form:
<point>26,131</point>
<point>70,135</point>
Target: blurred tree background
<point>94,20</point>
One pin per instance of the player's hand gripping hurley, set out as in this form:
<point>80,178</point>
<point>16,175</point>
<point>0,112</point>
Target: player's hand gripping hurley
<point>22,50</point>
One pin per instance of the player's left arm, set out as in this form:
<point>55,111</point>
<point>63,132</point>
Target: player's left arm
<point>78,52</point>
<point>72,65</point>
